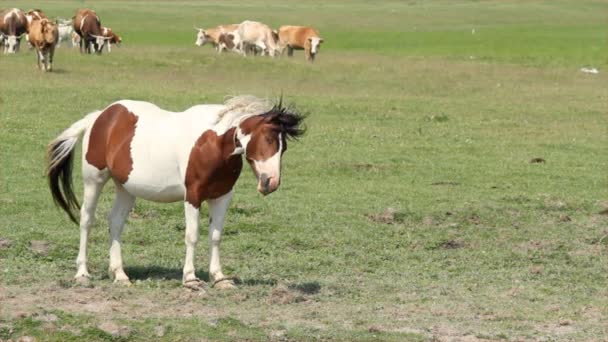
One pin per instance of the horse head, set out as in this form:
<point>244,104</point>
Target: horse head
<point>263,140</point>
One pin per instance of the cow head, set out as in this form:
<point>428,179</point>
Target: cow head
<point>99,42</point>
<point>48,30</point>
<point>12,43</point>
<point>315,44</point>
<point>201,37</point>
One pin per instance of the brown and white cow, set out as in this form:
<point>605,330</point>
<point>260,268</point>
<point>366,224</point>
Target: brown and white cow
<point>212,35</point>
<point>112,37</point>
<point>298,38</point>
<point>88,26</point>
<point>258,35</point>
<point>13,25</point>
<point>43,36</point>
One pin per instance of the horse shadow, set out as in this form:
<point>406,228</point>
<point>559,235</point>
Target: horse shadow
<point>160,273</point>
<point>173,273</point>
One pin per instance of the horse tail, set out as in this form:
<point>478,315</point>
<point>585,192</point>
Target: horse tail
<point>60,155</point>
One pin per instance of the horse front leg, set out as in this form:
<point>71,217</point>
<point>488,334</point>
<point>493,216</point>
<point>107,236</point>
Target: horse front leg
<point>123,203</point>
<point>217,214</point>
<point>189,279</point>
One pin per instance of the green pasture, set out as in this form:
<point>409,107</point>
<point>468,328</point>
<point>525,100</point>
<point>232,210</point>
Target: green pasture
<point>452,184</point>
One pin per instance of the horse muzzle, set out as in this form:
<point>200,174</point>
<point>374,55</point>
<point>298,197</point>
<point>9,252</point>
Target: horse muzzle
<point>267,184</point>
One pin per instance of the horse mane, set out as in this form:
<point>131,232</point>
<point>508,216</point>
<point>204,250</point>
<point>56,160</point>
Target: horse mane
<point>240,107</point>
<point>286,119</point>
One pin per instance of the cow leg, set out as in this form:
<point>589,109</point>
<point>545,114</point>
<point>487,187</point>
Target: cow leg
<point>92,189</point>
<point>123,203</point>
<point>262,46</point>
<point>51,55</point>
<point>40,57</point>
<point>289,51</point>
<point>189,279</point>
<point>109,47</point>
<point>217,213</point>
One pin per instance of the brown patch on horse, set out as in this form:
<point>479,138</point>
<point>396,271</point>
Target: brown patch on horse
<point>212,171</point>
<point>264,143</point>
<point>110,142</point>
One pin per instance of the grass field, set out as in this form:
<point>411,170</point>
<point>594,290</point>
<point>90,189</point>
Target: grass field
<point>410,210</point>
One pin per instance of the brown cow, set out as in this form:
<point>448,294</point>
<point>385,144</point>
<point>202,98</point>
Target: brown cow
<point>31,15</point>
<point>112,37</point>
<point>298,38</point>
<point>13,25</point>
<point>43,36</point>
<point>212,35</point>
<point>88,26</point>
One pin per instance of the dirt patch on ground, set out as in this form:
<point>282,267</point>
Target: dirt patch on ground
<point>387,216</point>
<point>284,295</point>
<point>40,247</point>
<point>5,243</point>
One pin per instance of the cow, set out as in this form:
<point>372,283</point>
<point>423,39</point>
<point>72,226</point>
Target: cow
<point>65,33</point>
<point>212,35</point>
<point>298,38</point>
<point>87,25</point>
<point>253,33</point>
<point>13,25</point>
<point>43,36</point>
<point>112,37</point>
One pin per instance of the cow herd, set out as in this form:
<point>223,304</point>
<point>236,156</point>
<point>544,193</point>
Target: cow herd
<point>85,30</point>
<point>45,35</point>
<point>252,37</point>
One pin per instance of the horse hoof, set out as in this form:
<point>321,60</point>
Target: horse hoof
<point>195,284</point>
<point>224,284</point>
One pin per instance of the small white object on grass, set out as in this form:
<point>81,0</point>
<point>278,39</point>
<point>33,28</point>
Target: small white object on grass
<point>473,31</point>
<point>590,70</point>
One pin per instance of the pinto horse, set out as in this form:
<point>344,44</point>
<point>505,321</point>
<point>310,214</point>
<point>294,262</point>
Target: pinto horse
<point>162,156</point>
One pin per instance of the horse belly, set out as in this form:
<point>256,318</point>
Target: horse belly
<point>155,191</point>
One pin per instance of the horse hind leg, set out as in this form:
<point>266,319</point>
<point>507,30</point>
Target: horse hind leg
<point>123,204</point>
<point>94,182</point>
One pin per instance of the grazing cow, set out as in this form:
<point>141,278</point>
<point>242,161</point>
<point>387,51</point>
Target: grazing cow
<point>13,25</point>
<point>87,25</point>
<point>112,37</point>
<point>253,33</point>
<point>65,33</point>
<point>189,157</point>
<point>43,36</point>
<point>298,38</point>
<point>212,35</point>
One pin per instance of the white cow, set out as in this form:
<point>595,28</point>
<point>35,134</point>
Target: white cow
<point>258,35</point>
<point>65,33</point>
